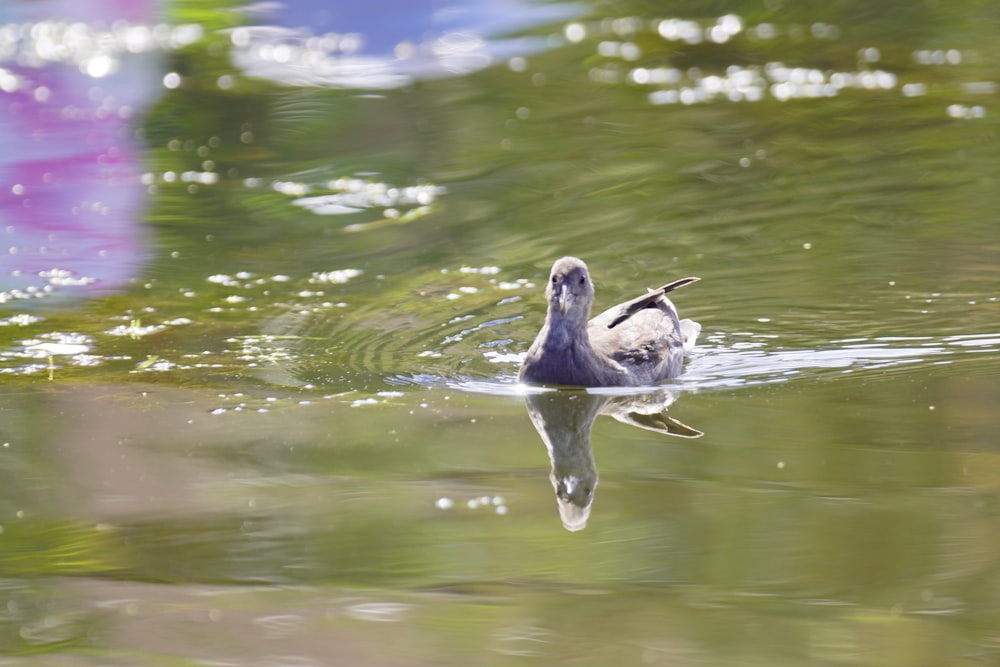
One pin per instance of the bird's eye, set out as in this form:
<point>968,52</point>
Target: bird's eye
<point>582,281</point>
<point>555,280</point>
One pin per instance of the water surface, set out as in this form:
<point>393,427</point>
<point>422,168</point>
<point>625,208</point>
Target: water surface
<point>268,272</point>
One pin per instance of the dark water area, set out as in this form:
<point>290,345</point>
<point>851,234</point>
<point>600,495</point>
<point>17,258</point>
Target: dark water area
<point>267,273</point>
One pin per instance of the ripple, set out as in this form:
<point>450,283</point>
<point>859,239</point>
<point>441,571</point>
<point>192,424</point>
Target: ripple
<point>728,361</point>
<point>732,363</point>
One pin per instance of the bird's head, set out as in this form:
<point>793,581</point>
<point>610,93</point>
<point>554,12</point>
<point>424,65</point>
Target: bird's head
<point>570,293</point>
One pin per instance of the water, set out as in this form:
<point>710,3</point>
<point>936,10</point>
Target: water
<point>264,290</point>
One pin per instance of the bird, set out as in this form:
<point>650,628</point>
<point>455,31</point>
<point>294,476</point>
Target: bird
<point>635,343</point>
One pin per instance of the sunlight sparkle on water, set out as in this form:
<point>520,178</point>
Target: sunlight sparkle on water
<point>95,50</point>
<point>51,279</point>
<point>963,112</point>
<point>337,277</point>
<point>135,329</point>
<point>575,32</point>
<point>45,349</point>
<point>354,194</point>
<point>497,503</point>
<point>753,83</point>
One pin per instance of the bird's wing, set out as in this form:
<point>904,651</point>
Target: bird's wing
<point>648,345</point>
<point>623,311</point>
<point>660,423</point>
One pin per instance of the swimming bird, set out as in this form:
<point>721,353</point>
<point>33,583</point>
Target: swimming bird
<point>635,343</point>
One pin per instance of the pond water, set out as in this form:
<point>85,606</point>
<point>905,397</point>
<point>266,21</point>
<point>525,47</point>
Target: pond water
<point>267,272</point>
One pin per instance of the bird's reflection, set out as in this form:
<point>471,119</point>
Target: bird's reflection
<point>564,419</point>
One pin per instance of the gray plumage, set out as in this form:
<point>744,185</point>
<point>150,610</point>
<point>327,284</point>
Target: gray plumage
<point>635,343</point>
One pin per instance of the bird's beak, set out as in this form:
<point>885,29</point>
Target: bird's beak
<point>565,299</point>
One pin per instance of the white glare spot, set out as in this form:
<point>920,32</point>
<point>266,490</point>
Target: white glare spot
<point>870,54</point>
<point>631,52</point>
<point>171,80</point>
<point>240,38</point>
<point>730,23</point>
<point>339,276</point>
<point>609,49</point>
<point>766,31</point>
<point>717,34</point>
<point>99,66</point>
<point>183,35</point>
<point>575,32</point>
<point>52,349</point>
<point>962,111</point>
<point>8,82</point>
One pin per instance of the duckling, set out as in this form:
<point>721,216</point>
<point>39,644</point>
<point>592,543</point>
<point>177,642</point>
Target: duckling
<point>634,343</point>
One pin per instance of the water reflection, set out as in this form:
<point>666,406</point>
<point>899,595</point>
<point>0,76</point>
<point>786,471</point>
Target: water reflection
<point>70,198</point>
<point>388,46</point>
<point>564,419</point>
